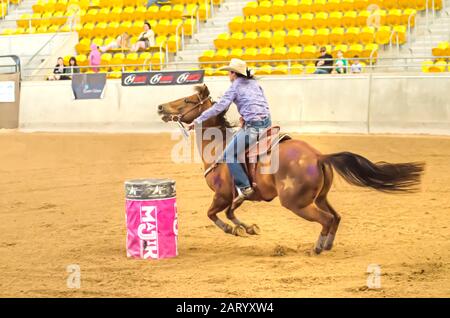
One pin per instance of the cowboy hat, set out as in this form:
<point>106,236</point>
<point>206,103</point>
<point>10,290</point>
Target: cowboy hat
<point>237,66</point>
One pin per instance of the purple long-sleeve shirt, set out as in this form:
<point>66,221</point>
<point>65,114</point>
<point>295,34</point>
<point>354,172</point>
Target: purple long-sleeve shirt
<point>248,97</point>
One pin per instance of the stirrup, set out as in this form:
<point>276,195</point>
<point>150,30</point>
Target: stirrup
<point>243,195</point>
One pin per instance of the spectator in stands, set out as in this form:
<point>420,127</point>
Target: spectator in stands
<point>73,67</point>
<point>145,39</point>
<point>94,58</point>
<point>324,64</point>
<point>341,64</point>
<point>58,71</point>
<point>121,42</point>
<point>356,65</point>
<point>159,3</point>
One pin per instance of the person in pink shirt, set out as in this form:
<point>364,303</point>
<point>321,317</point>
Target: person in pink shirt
<point>94,58</point>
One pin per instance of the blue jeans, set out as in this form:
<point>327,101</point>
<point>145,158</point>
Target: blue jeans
<point>321,71</point>
<point>234,152</point>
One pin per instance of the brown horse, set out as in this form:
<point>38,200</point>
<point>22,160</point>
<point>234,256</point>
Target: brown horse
<point>303,178</point>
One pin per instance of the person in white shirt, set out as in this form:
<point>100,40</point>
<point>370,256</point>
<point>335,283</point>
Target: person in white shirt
<point>356,66</point>
<point>145,40</point>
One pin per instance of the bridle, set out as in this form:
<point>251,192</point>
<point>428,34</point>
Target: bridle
<point>177,118</point>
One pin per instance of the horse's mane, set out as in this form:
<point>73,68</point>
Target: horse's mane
<point>203,91</point>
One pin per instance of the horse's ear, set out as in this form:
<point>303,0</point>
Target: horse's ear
<point>205,91</point>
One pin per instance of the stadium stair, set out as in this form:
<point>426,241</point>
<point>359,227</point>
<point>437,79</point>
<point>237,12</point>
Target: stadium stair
<point>14,13</point>
<point>204,39</point>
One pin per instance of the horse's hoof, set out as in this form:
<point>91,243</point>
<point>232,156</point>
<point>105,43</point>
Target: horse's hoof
<point>229,229</point>
<point>328,247</point>
<point>317,250</point>
<point>253,230</point>
<point>239,230</point>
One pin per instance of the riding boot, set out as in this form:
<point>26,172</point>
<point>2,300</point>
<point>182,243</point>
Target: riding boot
<point>244,194</point>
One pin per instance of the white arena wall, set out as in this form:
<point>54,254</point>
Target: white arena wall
<point>390,103</point>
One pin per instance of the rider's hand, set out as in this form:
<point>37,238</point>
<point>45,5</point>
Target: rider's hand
<point>190,126</point>
<point>241,122</point>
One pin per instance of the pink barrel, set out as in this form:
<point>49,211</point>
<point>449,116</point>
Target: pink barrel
<point>151,216</point>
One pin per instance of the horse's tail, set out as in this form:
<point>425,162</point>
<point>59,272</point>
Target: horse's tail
<point>381,176</point>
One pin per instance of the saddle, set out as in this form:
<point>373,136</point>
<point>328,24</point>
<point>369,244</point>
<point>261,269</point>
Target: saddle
<point>267,140</point>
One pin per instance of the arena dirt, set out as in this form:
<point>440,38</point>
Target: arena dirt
<point>62,203</point>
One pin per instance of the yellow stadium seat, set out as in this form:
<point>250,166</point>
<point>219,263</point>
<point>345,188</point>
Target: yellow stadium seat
<point>42,29</point>
<point>250,39</point>
<point>127,13</point>
<point>90,16</point>
<point>306,37</point>
<point>264,8</point>
<point>177,11</point>
<point>441,66</point>
<point>304,6</point>
<point>367,35</point>
<point>264,39</point>
<point>264,70</point>
<point>281,69</point>
<point>364,18</point>
<point>306,21</point>
<point>370,49</point>
<point>164,12</point>
<point>332,5</point>
<point>131,59</point>
<point>309,52</point>
<point>250,55</point>
<point>157,61</point>
<point>58,18</point>
<point>399,34</point>
<point>292,21</point>
<point>351,35</point>
<point>294,52</point>
<point>191,9</point>
<point>250,24</point>
<point>124,26</point>
<point>236,25</point>
<point>204,11</point>
<point>251,8</point>
<point>161,40</point>
<point>222,41</point>
<point>321,37</point>
<point>144,58</point>
<point>24,20</point>
<point>100,29</point>
<point>87,30</point>
<point>172,42</point>
<point>39,6</point>
<point>297,69</point>
<point>335,19</point>
<point>140,13</point>
<point>290,7</point>
<point>382,36</point>
<point>426,65</point>
<point>136,27</point>
<point>347,5</point>
<point>189,27</point>
<point>174,24</point>
<point>163,27</point>
<point>279,53</point>
<point>103,15</point>
<point>97,41</point>
<point>236,53</point>
<point>113,28</point>
<point>8,31</point>
<point>442,49</point>
<point>318,5</point>
<point>361,4</point>
<point>405,17</point>
<point>342,47</point>
<point>355,49</point>
<point>116,61</point>
<point>277,7</point>
<point>320,20</point>
<point>394,17</point>
<point>49,6</point>
<point>277,22</point>
<point>221,55</point>
<point>336,36</point>
<point>292,38</point>
<point>263,24</point>
<point>152,12</point>
<point>105,60</point>
<point>82,60</point>
<point>310,68</point>
<point>236,40</point>
<point>264,54</point>
<point>349,19</point>
<point>278,38</point>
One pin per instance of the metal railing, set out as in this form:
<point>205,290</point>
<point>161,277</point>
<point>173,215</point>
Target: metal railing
<point>292,65</point>
<point>17,65</point>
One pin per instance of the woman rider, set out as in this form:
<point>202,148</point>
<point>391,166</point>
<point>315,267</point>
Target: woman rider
<point>252,105</point>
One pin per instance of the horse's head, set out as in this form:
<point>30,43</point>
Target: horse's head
<point>188,108</point>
